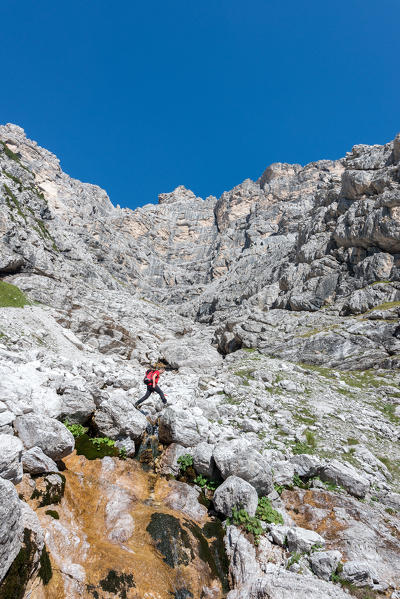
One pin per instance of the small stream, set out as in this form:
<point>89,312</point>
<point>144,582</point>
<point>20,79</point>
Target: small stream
<point>113,535</point>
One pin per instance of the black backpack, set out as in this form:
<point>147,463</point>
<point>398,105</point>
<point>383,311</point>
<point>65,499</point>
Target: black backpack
<point>148,378</point>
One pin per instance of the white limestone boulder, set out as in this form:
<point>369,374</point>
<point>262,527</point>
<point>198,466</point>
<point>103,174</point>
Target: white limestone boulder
<point>10,458</point>
<point>235,493</point>
<point>53,438</point>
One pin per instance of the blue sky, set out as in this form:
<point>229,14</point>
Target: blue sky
<point>139,97</point>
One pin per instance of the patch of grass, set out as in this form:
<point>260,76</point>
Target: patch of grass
<point>15,179</point>
<point>267,513</point>
<point>328,373</point>
<point>294,559</point>
<point>384,306</point>
<point>11,296</point>
<point>230,400</point>
<point>12,202</point>
<point>10,154</point>
<point>245,375</point>
<point>392,465</point>
<point>352,441</point>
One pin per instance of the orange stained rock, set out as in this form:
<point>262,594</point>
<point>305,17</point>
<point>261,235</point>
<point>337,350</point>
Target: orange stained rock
<point>101,528</point>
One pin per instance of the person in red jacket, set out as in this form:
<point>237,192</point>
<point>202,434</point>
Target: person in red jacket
<point>151,381</point>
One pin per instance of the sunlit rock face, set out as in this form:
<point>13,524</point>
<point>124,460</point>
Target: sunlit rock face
<point>275,311</point>
<point>114,534</point>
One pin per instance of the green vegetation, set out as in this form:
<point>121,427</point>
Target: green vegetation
<point>267,513</point>
<point>15,179</point>
<point>76,429</point>
<point>85,446</point>
<point>122,453</point>
<point>294,559</point>
<point>305,447</point>
<point>45,570</point>
<point>185,461</point>
<point>204,482</point>
<point>53,513</point>
<point>11,296</point>
<point>246,374</point>
<point>14,583</point>
<point>384,306</point>
<point>10,154</point>
<point>251,524</point>
<point>352,441</point>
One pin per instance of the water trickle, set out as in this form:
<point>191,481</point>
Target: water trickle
<point>116,537</point>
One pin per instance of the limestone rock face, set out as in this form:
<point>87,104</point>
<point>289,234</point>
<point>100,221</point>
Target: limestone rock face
<point>11,526</point>
<point>275,311</point>
<point>53,438</point>
<point>10,458</point>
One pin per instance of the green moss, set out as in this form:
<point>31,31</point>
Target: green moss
<point>85,446</point>
<point>53,514</point>
<point>52,494</point>
<point>11,296</point>
<point>171,540</point>
<point>118,583</point>
<point>211,549</point>
<point>45,571</point>
<point>15,581</point>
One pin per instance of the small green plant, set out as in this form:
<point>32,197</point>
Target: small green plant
<point>98,442</point>
<point>240,517</point>
<point>279,488</point>
<point>122,453</point>
<point>352,441</point>
<point>294,559</point>
<point>76,429</point>
<point>205,483</point>
<point>311,440</point>
<point>297,482</point>
<point>267,513</point>
<point>185,461</point>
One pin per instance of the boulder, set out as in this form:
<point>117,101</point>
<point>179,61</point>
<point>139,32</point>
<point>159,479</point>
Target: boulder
<point>324,563</point>
<point>11,526</point>
<point>181,426</point>
<point>358,573</point>
<point>10,458</point>
<point>77,406</point>
<point>235,493</point>
<point>185,498</point>
<point>306,466</point>
<point>347,476</point>
<point>53,438</point>
<point>238,458</point>
<point>203,460</point>
<point>303,540</point>
<point>35,461</point>
<point>117,418</point>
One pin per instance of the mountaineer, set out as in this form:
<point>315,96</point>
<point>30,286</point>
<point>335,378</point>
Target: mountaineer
<point>150,380</point>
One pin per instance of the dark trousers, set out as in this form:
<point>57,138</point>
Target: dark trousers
<point>149,391</point>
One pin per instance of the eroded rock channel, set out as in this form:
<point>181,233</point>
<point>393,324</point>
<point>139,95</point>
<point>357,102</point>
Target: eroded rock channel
<point>114,534</point>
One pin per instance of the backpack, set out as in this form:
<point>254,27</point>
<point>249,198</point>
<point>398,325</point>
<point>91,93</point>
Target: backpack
<point>148,378</point>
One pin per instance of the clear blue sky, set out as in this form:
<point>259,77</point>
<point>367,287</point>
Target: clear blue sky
<point>139,97</point>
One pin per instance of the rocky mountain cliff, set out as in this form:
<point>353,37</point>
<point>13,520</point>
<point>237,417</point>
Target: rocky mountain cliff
<point>275,309</point>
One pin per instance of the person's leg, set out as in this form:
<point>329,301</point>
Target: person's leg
<point>160,393</point>
<point>145,396</point>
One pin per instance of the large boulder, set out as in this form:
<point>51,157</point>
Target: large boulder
<point>11,526</point>
<point>183,427</point>
<point>235,493</point>
<point>303,540</point>
<point>10,458</point>
<point>347,476</point>
<point>117,418</point>
<point>77,406</point>
<point>190,353</point>
<point>324,563</point>
<point>53,438</point>
<point>35,461</point>
<point>238,458</point>
<point>306,465</point>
